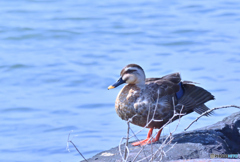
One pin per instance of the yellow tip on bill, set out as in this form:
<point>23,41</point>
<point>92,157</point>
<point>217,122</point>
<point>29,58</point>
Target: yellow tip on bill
<point>111,87</point>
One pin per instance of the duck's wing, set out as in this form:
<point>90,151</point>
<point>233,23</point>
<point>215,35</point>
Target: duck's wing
<point>166,85</point>
<point>175,78</point>
<point>161,91</point>
<point>195,97</point>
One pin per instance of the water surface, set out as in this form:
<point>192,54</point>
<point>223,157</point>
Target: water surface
<point>58,58</point>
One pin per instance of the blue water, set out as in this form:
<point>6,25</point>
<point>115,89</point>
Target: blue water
<point>57,59</point>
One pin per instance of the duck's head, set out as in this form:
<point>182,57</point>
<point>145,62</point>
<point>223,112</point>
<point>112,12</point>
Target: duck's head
<point>130,74</point>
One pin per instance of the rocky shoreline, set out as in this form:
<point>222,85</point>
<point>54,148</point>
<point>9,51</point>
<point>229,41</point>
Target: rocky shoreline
<point>221,138</point>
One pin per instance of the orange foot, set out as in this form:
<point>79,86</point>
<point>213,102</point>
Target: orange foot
<point>148,140</point>
<point>144,142</point>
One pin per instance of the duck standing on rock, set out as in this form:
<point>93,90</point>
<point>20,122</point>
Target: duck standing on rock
<point>144,98</point>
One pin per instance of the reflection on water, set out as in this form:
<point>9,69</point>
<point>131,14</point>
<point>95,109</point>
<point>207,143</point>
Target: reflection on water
<point>58,58</point>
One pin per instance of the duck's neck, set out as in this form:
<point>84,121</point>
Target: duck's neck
<point>141,80</point>
<point>140,85</point>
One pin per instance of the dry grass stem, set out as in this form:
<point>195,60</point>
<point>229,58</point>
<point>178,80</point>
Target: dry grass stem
<point>70,141</point>
<point>126,144</point>
<point>159,153</point>
<point>156,105</point>
<point>119,147</point>
<point>206,112</point>
<point>138,154</point>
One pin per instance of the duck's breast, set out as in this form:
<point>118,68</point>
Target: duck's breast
<point>141,103</point>
<point>126,98</point>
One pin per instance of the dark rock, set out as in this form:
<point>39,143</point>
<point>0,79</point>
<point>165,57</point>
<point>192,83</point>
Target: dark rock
<point>220,138</point>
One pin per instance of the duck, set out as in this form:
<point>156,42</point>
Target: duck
<point>142,99</point>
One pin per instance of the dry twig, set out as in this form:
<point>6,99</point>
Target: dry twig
<point>70,141</point>
<point>206,112</point>
<point>159,150</point>
<point>126,145</point>
<point>168,140</point>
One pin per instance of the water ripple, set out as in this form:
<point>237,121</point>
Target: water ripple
<point>94,106</point>
<point>59,57</point>
<point>18,109</point>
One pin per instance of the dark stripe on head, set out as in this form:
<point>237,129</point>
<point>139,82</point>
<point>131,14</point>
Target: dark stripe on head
<point>130,70</point>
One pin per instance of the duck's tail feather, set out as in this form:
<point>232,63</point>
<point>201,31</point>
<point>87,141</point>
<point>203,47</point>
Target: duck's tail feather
<point>201,109</point>
<point>194,97</point>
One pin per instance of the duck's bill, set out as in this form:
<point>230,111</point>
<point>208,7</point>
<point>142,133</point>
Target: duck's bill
<point>111,87</point>
<point>119,82</point>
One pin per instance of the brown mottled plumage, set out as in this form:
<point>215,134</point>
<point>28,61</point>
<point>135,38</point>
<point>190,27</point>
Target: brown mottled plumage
<point>141,96</point>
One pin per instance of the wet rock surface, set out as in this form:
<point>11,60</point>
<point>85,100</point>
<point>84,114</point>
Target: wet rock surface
<point>222,137</point>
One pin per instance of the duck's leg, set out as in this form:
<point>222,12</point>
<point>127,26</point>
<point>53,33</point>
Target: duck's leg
<point>158,135</point>
<point>148,139</point>
<point>144,142</point>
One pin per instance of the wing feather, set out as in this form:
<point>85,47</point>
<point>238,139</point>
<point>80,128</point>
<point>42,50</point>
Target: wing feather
<point>167,85</point>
